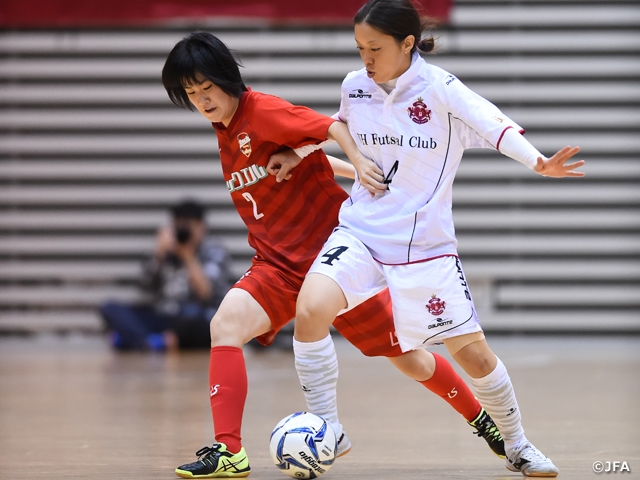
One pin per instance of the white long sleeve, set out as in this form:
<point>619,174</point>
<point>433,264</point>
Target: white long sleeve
<point>515,146</point>
<point>312,147</point>
<point>308,149</point>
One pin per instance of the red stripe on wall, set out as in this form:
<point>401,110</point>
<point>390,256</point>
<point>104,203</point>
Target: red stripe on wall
<point>97,13</point>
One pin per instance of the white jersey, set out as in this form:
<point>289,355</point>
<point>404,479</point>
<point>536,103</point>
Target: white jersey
<point>416,135</point>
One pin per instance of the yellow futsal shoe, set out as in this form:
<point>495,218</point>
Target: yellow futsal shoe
<point>216,462</point>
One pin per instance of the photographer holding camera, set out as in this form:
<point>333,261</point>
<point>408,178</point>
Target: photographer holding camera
<point>186,279</point>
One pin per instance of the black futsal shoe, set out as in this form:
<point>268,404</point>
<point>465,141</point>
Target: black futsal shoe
<point>216,462</point>
<point>486,428</point>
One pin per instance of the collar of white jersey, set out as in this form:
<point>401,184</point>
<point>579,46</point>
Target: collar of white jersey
<point>412,72</point>
<point>408,77</point>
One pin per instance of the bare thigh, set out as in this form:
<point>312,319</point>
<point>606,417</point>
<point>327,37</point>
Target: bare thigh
<point>238,319</point>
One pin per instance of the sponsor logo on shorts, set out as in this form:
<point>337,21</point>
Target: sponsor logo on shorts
<point>436,306</point>
<point>463,281</point>
<point>440,323</point>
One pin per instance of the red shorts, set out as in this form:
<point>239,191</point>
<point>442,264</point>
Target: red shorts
<point>369,326</point>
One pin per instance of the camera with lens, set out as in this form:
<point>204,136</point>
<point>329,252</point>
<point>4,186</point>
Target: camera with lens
<point>183,234</point>
<point>186,216</point>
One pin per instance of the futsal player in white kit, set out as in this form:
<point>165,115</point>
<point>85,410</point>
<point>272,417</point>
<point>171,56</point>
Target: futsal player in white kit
<point>414,121</point>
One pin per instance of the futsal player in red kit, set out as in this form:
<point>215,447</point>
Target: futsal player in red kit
<point>288,223</point>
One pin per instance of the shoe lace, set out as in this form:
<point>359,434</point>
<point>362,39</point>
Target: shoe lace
<point>205,452</point>
<point>531,453</point>
<point>488,429</point>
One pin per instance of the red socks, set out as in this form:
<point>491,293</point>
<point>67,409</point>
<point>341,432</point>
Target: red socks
<point>446,383</point>
<point>228,391</point>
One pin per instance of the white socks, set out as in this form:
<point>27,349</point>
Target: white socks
<point>495,393</point>
<point>317,367</point>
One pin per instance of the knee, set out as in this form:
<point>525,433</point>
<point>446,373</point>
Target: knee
<point>477,359</point>
<point>425,368</point>
<point>225,332</point>
<point>485,364</point>
<point>419,365</point>
<point>306,311</point>
<point>312,309</point>
<point>312,322</point>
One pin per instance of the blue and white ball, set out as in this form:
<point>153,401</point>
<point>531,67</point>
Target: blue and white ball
<point>303,445</point>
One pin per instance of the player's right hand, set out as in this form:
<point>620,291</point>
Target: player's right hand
<point>281,163</point>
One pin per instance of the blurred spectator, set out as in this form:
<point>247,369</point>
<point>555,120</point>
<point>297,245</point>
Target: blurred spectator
<point>186,279</point>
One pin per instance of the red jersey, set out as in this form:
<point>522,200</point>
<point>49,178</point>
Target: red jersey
<point>288,222</point>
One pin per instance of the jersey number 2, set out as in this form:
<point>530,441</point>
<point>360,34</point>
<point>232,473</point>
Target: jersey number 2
<point>249,198</point>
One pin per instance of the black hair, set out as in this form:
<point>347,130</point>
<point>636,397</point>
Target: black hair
<point>399,19</point>
<point>202,53</point>
<point>188,209</point>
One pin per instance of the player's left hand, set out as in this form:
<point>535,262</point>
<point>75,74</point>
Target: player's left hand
<point>370,175</point>
<point>281,163</point>
<point>555,166</point>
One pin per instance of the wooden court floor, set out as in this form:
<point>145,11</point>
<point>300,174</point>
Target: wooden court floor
<point>70,408</point>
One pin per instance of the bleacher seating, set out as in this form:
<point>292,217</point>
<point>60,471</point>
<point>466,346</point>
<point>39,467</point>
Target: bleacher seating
<point>92,153</point>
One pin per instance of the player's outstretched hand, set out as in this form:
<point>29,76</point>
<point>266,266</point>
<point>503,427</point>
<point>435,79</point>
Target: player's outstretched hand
<point>555,166</point>
<point>281,163</point>
<point>370,175</point>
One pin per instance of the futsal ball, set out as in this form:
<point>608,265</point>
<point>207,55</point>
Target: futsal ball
<point>303,445</point>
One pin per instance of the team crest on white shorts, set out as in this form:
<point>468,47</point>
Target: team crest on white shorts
<point>244,141</point>
<point>436,306</point>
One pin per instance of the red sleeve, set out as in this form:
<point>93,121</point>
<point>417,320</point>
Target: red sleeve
<point>280,122</point>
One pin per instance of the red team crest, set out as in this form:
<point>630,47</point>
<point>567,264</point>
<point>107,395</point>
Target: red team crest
<point>436,306</point>
<point>419,112</point>
<point>245,143</point>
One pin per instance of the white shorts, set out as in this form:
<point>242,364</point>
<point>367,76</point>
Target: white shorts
<point>431,300</point>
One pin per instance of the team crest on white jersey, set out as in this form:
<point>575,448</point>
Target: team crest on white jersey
<point>419,112</point>
<point>436,306</point>
<point>244,141</point>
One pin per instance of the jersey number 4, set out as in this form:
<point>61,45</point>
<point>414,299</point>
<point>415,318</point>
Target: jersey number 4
<point>333,254</point>
<point>389,178</point>
<point>249,198</point>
